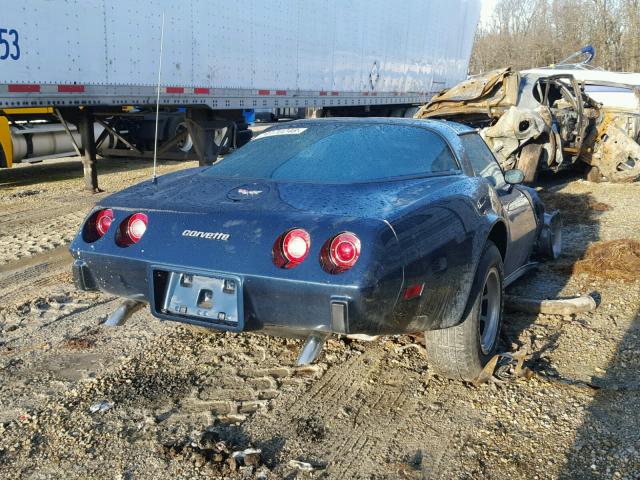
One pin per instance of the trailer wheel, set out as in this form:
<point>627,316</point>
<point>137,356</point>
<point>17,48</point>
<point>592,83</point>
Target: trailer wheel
<point>3,159</point>
<point>186,144</point>
<point>461,352</point>
<point>243,137</point>
<point>222,140</point>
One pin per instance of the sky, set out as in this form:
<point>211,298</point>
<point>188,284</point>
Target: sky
<point>487,10</point>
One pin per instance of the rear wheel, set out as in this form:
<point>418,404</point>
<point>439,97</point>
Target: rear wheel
<point>461,352</point>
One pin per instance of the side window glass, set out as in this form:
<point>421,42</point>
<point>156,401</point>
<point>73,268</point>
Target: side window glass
<point>482,161</point>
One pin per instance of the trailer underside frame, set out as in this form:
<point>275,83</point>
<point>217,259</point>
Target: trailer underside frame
<point>207,110</point>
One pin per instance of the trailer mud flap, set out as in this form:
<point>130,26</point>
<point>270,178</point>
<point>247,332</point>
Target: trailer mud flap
<point>6,145</point>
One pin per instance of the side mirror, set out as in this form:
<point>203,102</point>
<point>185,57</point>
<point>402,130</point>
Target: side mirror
<point>514,176</point>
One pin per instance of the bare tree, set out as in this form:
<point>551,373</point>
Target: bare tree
<point>533,33</point>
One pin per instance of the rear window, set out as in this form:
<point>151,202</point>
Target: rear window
<point>339,153</point>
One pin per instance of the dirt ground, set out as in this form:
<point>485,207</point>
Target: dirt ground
<point>161,400</point>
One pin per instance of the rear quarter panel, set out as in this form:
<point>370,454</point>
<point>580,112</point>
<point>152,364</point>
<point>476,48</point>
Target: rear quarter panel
<point>440,243</point>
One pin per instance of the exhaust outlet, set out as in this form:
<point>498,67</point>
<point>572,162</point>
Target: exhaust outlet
<point>312,348</point>
<point>123,313</point>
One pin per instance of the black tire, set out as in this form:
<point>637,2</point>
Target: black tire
<point>3,158</point>
<point>243,137</point>
<point>457,352</point>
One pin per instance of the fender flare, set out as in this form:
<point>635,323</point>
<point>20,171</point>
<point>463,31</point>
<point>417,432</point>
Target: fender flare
<point>476,283</point>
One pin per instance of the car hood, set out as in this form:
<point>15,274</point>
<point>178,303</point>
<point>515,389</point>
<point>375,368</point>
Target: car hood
<point>194,191</point>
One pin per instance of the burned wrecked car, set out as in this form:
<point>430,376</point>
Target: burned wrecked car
<point>543,120</point>
<point>332,226</point>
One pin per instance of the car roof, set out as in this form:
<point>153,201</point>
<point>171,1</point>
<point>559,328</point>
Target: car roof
<point>445,127</point>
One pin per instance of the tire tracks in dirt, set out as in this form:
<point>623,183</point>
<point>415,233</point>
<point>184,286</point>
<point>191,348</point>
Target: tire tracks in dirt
<point>19,221</point>
<point>368,412</point>
<point>23,278</point>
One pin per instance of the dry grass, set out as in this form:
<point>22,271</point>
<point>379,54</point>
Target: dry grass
<point>79,343</point>
<point>599,206</point>
<point>616,260</point>
<point>82,342</point>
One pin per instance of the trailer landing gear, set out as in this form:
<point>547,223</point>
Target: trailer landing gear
<point>89,161</point>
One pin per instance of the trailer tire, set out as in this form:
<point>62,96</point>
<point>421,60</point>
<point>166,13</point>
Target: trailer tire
<point>3,158</point>
<point>187,144</point>
<point>243,137</point>
<point>461,352</point>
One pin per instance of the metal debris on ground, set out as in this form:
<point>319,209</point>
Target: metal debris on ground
<point>247,457</point>
<point>101,406</point>
<point>362,337</point>
<point>559,306</point>
<point>505,367</point>
<point>418,346</point>
<point>302,466</point>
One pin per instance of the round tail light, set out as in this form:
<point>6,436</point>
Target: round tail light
<point>103,221</point>
<point>98,225</point>
<point>340,253</point>
<point>132,229</point>
<point>291,248</point>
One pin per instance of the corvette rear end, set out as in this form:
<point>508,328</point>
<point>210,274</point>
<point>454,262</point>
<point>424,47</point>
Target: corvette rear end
<point>243,270</point>
<point>347,226</point>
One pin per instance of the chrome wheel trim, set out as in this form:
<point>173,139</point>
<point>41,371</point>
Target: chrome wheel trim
<point>186,144</point>
<point>489,318</point>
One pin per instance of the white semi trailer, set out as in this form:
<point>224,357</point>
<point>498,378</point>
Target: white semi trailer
<point>81,75</point>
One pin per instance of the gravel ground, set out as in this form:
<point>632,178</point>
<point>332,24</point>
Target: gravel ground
<point>154,399</point>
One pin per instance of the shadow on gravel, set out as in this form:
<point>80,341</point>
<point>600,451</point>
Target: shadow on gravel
<point>580,214</point>
<point>602,449</point>
<point>69,169</point>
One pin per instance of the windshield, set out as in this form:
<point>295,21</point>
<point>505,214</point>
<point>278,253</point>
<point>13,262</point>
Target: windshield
<point>339,153</point>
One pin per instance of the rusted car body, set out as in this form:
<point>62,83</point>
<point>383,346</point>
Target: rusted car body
<point>543,120</point>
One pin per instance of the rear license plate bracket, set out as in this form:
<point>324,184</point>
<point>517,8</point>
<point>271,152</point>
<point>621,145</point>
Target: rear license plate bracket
<point>212,299</point>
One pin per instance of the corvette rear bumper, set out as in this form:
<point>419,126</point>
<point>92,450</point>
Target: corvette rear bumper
<point>271,305</point>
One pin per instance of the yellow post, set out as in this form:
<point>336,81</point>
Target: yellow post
<point>6,145</point>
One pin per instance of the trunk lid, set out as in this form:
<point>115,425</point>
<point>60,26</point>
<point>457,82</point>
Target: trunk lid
<point>231,225</point>
<point>192,192</point>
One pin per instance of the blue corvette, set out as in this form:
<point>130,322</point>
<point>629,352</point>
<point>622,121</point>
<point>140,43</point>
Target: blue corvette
<point>346,226</point>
